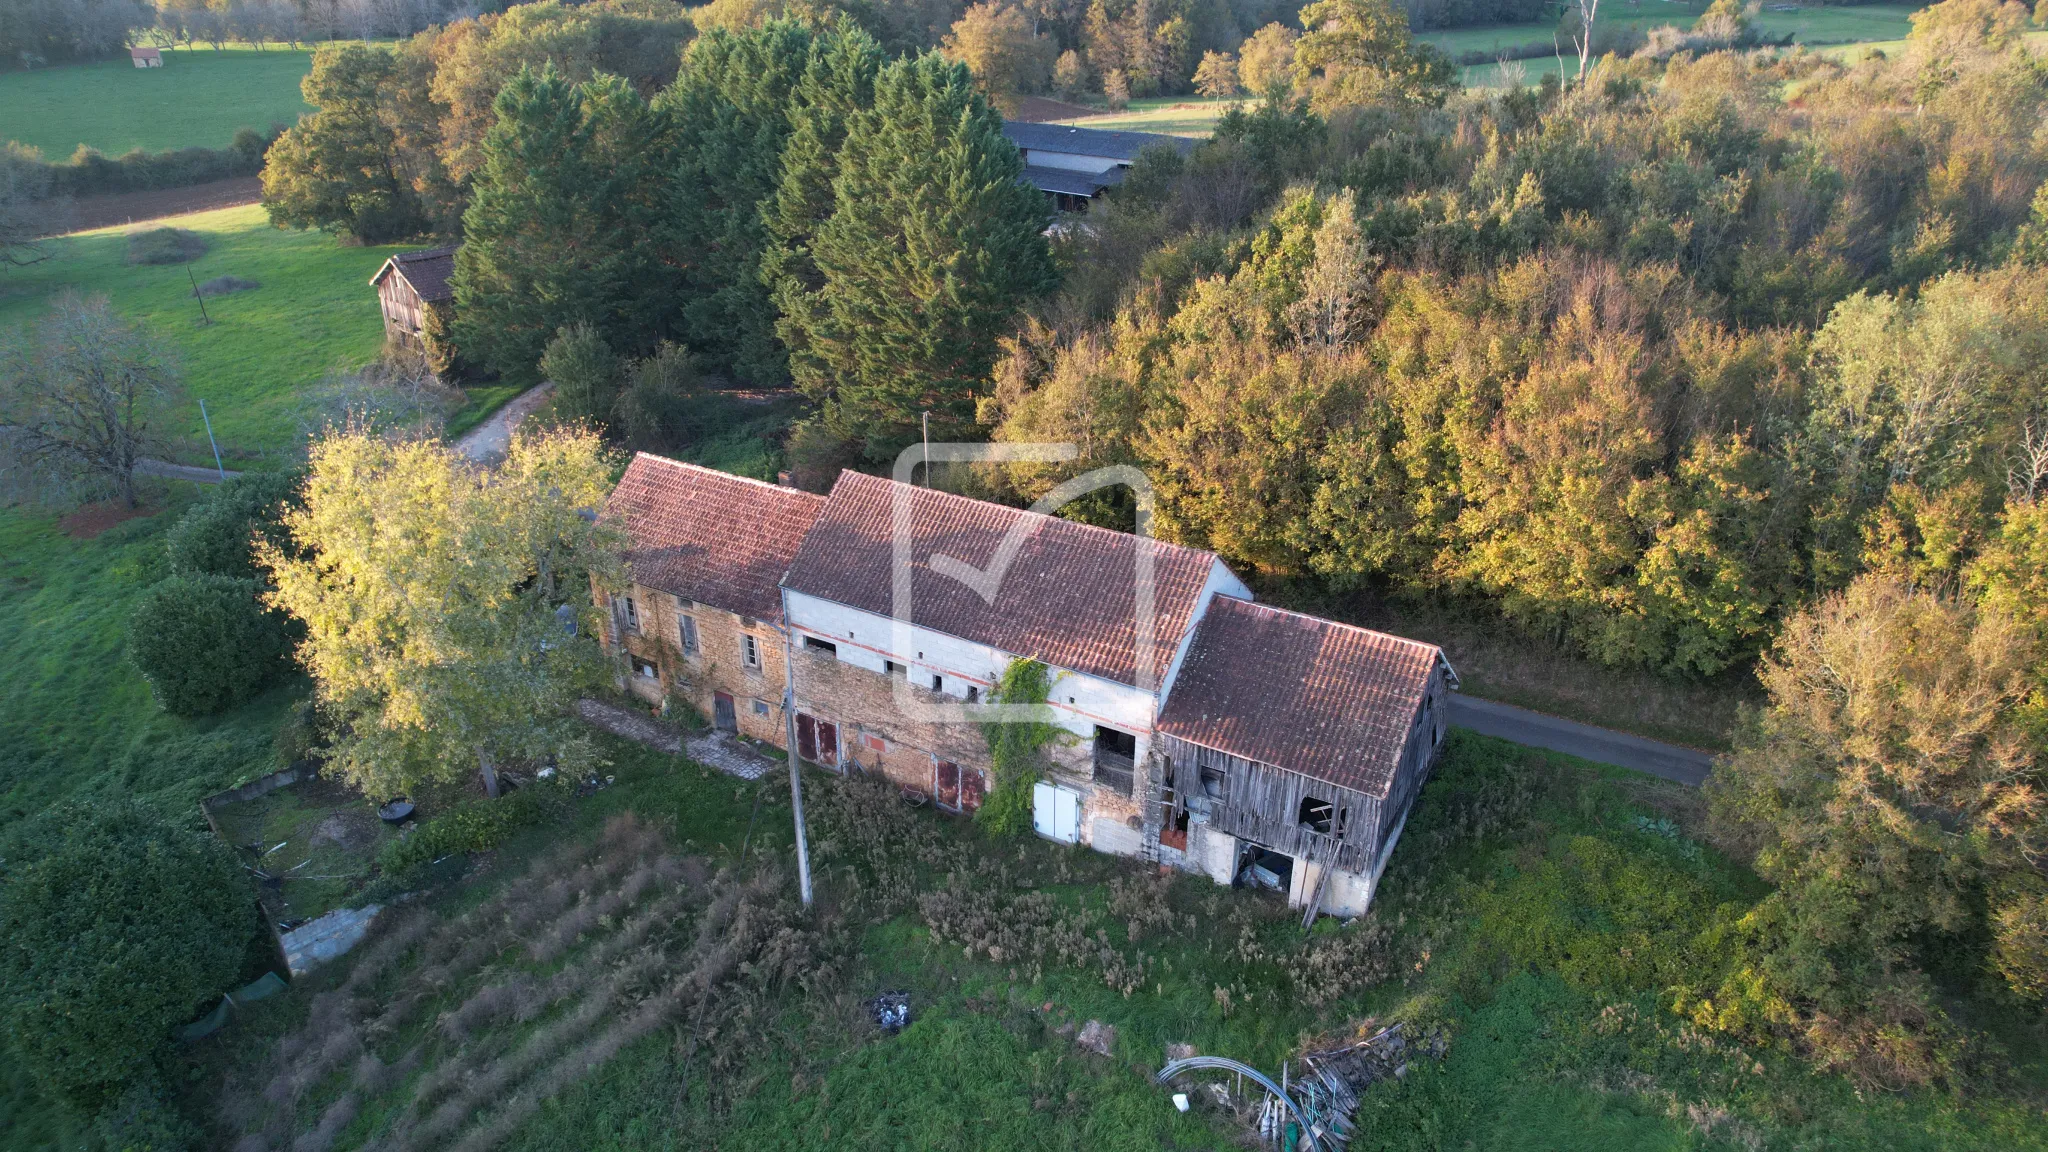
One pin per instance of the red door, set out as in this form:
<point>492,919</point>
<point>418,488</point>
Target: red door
<point>806,737</point>
<point>817,740</point>
<point>948,784</point>
<point>971,790</point>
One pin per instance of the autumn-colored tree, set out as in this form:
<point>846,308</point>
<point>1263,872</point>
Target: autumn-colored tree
<point>1266,60</point>
<point>1006,54</point>
<point>447,609</point>
<point>1893,792</point>
<point>1360,52</point>
<point>1216,75</point>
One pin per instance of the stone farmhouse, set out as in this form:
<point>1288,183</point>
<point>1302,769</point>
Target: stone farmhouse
<point>1205,731</point>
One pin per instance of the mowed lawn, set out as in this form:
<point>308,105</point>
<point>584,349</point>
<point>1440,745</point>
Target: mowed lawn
<point>313,313</point>
<point>197,99</point>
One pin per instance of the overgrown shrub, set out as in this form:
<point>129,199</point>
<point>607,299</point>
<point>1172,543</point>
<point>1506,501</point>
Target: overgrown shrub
<point>473,826</point>
<point>115,926</point>
<point>90,172</point>
<point>205,643</point>
<point>214,537</point>
<point>1016,747</point>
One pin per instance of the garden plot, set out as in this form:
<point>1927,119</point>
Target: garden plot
<point>317,839</point>
<point>452,1031</point>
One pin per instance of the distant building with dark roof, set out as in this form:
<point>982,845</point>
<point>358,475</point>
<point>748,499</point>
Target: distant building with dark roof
<point>1204,731</point>
<point>1074,165</point>
<point>411,286</point>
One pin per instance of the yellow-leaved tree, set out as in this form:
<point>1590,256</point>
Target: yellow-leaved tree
<point>447,608</point>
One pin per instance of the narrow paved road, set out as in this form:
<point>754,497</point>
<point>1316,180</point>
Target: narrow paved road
<point>1539,730</point>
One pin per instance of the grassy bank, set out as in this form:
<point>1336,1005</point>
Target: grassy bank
<point>196,100</point>
<point>313,312</point>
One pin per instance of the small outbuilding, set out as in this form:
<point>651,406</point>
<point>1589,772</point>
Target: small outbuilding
<point>1073,166</point>
<point>147,57</point>
<point>416,291</point>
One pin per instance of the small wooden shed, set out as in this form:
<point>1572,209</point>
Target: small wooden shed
<point>145,57</point>
<point>411,288</point>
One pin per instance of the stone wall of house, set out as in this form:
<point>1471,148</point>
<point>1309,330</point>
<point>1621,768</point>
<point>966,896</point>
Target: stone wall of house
<point>875,731</point>
<point>717,665</point>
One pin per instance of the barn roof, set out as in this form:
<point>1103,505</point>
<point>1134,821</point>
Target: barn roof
<point>1067,595</point>
<point>430,273</point>
<point>710,536</point>
<point>1327,700</point>
<point>1090,141</point>
<point>1070,182</point>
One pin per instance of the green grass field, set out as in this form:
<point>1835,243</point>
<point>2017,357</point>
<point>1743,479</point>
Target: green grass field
<point>315,311</point>
<point>1521,878</point>
<point>197,99</point>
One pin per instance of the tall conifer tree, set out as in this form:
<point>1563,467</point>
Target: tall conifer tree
<point>730,109</point>
<point>932,244</point>
<point>555,232</point>
<point>838,82</point>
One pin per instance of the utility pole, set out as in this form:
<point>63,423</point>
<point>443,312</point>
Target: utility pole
<point>926,419</point>
<point>211,442</point>
<point>796,782</point>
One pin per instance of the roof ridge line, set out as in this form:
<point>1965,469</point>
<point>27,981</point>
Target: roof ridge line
<point>1274,608</point>
<point>719,472</point>
<point>1153,540</point>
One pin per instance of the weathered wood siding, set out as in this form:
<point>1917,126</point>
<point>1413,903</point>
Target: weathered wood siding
<point>403,312</point>
<point>1262,802</point>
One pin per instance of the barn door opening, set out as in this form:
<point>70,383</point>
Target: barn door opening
<point>722,713</point>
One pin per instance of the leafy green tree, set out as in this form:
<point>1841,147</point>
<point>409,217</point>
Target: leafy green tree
<point>338,169</point>
<point>1360,52</point>
<point>115,926</point>
<point>447,610</point>
<point>205,642</point>
<point>931,246</point>
<point>731,112</point>
<point>585,373</point>
<point>556,231</point>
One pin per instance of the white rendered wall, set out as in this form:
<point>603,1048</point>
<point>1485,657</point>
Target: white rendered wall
<point>1070,161</point>
<point>1079,702</point>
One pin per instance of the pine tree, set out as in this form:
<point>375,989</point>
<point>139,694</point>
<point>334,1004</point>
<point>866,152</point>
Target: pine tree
<point>730,108</point>
<point>838,83</point>
<point>931,246</point>
<point>554,234</point>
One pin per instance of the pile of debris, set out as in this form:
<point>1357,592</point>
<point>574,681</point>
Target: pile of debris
<point>1335,1078</point>
<point>890,1011</point>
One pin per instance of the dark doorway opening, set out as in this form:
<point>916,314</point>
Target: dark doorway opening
<point>1260,868</point>
<point>722,713</point>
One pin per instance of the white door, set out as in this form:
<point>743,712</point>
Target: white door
<point>1055,812</point>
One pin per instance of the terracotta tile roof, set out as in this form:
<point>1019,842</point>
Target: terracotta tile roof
<point>1327,700</point>
<point>1068,596</point>
<point>429,273</point>
<point>710,536</point>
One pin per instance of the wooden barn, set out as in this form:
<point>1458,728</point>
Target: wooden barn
<point>411,287</point>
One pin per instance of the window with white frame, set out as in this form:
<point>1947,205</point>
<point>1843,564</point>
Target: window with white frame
<point>688,629</point>
<point>632,614</point>
<point>750,651</point>
<point>646,669</point>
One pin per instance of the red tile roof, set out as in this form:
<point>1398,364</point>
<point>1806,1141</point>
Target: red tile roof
<point>430,273</point>
<point>710,536</point>
<point>1327,700</point>
<point>1068,596</point>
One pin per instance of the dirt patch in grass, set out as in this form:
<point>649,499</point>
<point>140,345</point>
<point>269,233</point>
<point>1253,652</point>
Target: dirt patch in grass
<point>165,246</point>
<point>317,839</point>
<point>94,519</point>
